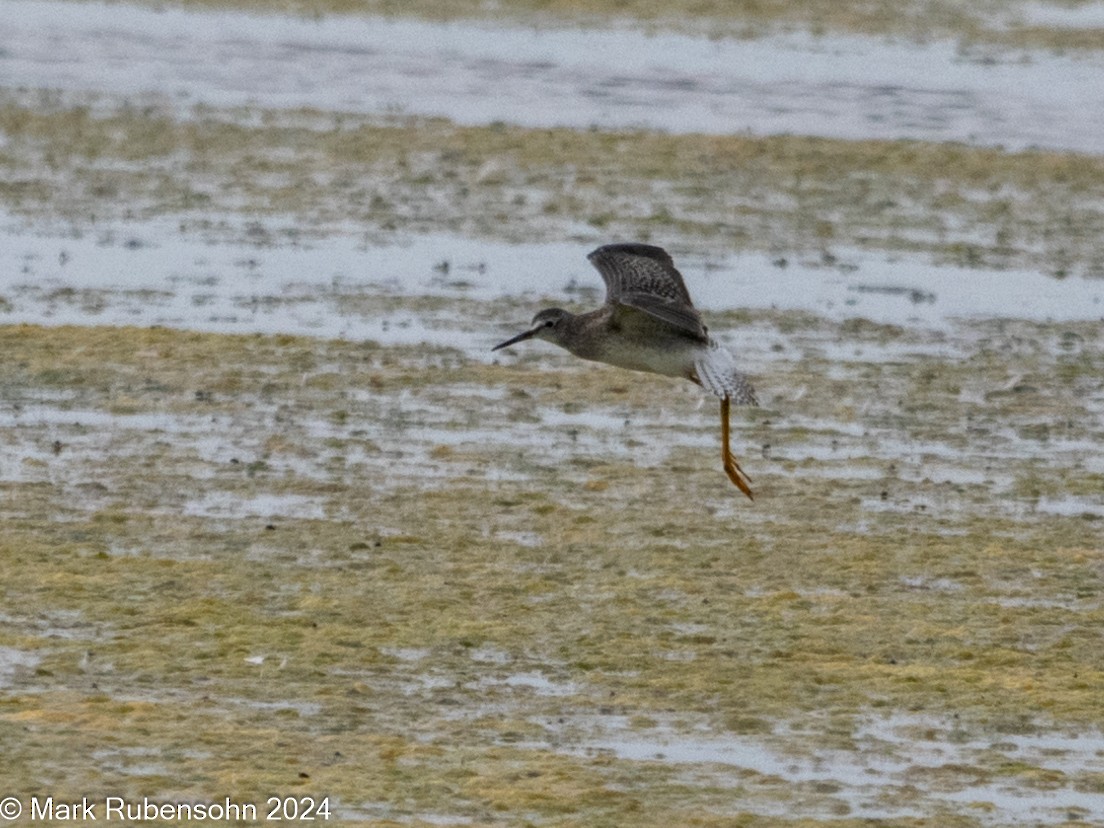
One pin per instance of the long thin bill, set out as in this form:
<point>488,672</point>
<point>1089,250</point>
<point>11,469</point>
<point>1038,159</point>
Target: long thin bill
<point>519,338</point>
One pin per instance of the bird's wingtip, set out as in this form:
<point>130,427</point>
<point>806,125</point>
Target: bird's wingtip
<point>648,251</point>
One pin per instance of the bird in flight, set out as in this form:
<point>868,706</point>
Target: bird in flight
<point>648,323</point>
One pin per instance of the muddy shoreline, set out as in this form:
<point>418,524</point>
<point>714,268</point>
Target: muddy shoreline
<point>465,582</point>
<point>276,521</point>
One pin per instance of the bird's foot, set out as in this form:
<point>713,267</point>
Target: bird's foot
<point>738,476</point>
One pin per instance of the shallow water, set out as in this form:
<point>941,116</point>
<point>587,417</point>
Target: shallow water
<point>150,273</point>
<point>835,86</point>
<point>877,778</point>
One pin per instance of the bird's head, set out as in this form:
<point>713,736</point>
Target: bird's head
<point>549,324</point>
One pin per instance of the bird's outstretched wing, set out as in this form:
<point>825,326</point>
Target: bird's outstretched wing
<point>643,277</point>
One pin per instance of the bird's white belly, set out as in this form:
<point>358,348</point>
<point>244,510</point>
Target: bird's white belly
<point>670,362</point>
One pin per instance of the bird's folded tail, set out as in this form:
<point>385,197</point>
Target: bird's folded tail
<point>716,371</point>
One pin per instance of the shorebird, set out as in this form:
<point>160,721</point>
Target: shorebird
<point>648,323</point>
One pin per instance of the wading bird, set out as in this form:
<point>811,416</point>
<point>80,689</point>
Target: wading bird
<point>648,323</point>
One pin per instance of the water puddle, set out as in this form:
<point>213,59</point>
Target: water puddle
<point>902,765</point>
<point>1072,506</point>
<point>13,661</point>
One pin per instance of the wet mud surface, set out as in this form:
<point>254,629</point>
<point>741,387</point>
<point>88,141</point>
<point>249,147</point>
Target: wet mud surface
<point>277,523</point>
<point>429,586</point>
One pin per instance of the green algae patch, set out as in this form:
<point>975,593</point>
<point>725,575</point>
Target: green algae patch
<point>289,566</point>
<point>791,195</point>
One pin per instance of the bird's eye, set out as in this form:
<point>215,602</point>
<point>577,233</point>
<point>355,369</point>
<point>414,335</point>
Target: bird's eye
<point>549,323</point>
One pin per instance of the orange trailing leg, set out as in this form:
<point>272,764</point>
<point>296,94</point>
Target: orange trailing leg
<point>731,467</point>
